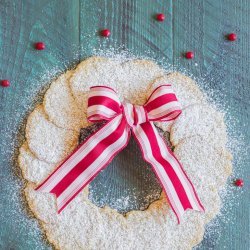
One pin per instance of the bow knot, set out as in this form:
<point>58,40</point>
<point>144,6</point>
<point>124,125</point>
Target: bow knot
<point>134,114</point>
<point>100,148</point>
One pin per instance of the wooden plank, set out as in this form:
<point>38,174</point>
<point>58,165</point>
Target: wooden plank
<point>132,27</point>
<point>21,24</point>
<point>196,28</point>
<point>201,26</point>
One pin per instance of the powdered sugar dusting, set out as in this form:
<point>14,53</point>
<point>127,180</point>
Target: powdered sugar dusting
<point>61,107</point>
<point>137,76</point>
<point>228,193</point>
<point>48,142</point>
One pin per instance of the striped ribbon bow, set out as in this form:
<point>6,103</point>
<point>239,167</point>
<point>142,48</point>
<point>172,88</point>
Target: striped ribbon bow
<point>100,148</point>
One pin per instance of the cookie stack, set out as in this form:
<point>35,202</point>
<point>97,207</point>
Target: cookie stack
<point>199,138</point>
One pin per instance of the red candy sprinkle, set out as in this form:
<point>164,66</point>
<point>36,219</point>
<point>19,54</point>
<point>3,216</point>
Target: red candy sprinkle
<point>105,33</point>
<point>239,183</point>
<point>5,83</point>
<point>232,37</point>
<point>160,17</point>
<point>40,46</point>
<point>189,55</point>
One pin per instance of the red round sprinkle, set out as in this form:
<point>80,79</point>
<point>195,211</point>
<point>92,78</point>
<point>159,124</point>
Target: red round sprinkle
<point>232,37</point>
<point>105,32</point>
<point>160,17</point>
<point>189,55</point>
<point>239,183</point>
<point>40,46</point>
<point>5,83</point>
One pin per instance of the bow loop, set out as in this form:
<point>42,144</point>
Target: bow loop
<point>162,105</point>
<point>103,104</point>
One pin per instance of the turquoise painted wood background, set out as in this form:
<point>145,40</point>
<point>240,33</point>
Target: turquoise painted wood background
<point>70,31</point>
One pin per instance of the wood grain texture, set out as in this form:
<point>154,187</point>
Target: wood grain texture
<point>129,30</point>
<point>201,26</point>
<point>21,24</point>
<point>70,31</point>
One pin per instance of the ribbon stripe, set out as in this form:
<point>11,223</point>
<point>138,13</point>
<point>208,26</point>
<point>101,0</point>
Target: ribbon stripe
<point>161,100</point>
<point>99,149</point>
<point>104,101</point>
<point>85,177</point>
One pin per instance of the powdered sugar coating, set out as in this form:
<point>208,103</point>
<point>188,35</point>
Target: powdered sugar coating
<point>91,227</point>
<point>196,153</point>
<point>33,169</point>
<point>133,77</point>
<point>83,225</point>
<point>202,120</point>
<point>114,231</point>
<point>61,107</point>
<point>46,141</point>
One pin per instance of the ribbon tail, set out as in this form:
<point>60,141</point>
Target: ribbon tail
<point>178,188</point>
<point>86,162</point>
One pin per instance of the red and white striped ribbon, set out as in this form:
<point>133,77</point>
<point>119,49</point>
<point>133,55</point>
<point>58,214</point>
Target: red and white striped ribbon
<point>79,168</point>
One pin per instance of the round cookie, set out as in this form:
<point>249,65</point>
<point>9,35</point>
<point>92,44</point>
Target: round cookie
<point>60,106</point>
<point>213,163</point>
<point>186,90</point>
<point>139,76</point>
<point>135,75</point>
<point>46,141</point>
<point>90,72</point>
<point>33,169</point>
<point>202,120</point>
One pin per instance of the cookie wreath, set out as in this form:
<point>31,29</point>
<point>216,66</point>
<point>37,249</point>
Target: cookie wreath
<point>52,132</point>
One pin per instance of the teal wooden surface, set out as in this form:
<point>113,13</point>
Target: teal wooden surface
<point>70,31</point>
